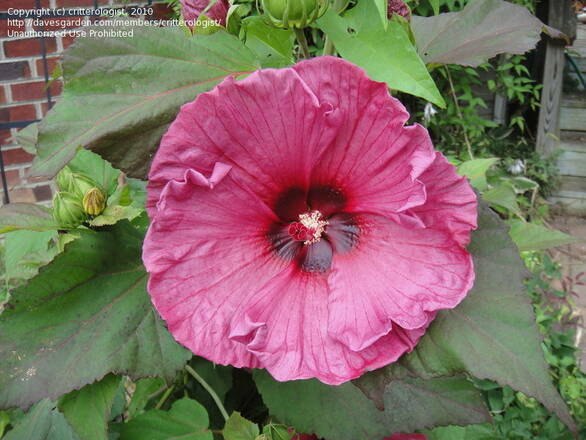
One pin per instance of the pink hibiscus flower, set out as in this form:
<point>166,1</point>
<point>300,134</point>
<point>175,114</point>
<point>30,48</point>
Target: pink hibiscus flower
<point>299,226</point>
<point>406,437</point>
<point>192,9</point>
<point>399,7</point>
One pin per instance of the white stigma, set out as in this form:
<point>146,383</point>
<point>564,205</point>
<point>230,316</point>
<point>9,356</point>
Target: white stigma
<point>315,224</point>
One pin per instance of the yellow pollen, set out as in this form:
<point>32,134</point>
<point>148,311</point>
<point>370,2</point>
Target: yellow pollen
<point>315,224</point>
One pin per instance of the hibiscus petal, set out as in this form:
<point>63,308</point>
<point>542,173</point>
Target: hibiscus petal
<point>206,252</point>
<point>394,275</point>
<point>270,127</point>
<point>374,159</point>
<point>192,9</point>
<point>285,326</point>
<point>451,202</point>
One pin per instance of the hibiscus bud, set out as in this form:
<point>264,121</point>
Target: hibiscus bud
<point>67,210</point>
<point>94,201</point>
<point>294,13</point>
<point>64,179</point>
<point>400,8</point>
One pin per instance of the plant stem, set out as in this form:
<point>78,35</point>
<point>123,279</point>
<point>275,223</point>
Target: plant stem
<point>164,397</point>
<point>459,111</point>
<point>300,34</point>
<point>209,389</point>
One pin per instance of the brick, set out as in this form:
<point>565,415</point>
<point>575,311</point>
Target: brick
<point>9,27</point>
<point>5,137</point>
<point>34,91</point>
<point>161,11</point>
<point>13,178</point>
<point>22,195</point>
<point>67,41</point>
<point>2,95</point>
<point>18,113</point>
<point>14,70</point>
<point>28,47</point>
<point>22,4</point>
<point>42,193</point>
<point>73,3</point>
<point>52,63</point>
<point>16,156</point>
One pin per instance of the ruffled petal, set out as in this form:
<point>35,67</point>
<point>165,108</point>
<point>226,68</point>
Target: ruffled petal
<point>270,127</point>
<point>451,202</point>
<point>395,275</point>
<point>285,326</point>
<point>206,252</point>
<point>374,160</point>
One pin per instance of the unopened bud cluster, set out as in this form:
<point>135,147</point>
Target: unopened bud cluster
<point>79,198</point>
<point>294,13</point>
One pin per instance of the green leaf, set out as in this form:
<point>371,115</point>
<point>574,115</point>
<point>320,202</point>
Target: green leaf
<point>4,422</point>
<point>382,48</point>
<point>492,334</point>
<point>476,170</point>
<point>96,168</point>
<point>28,216</point>
<point>503,196</point>
<point>85,315</point>
<point>43,422</point>
<point>26,251</point>
<point>27,138</point>
<point>88,410</point>
<point>472,432</point>
<point>482,30</point>
<point>238,428</point>
<point>534,237</point>
<point>121,93</point>
<point>273,47</point>
<point>344,413</point>
<point>435,5</point>
<point>145,388</point>
<point>186,420</point>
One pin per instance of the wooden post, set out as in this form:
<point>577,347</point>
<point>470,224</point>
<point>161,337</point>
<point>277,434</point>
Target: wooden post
<point>548,131</point>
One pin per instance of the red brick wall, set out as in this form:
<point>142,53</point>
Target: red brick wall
<point>23,93</point>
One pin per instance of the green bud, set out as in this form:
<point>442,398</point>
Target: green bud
<point>64,179</point>
<point>94,201</point>
<point>294,13</point>
<point>67,210</point>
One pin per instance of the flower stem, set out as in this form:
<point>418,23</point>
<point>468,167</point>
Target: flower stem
<point>209,389</point>
<point>164,397</point>
<point>300,34</point>
<point>459,111</point>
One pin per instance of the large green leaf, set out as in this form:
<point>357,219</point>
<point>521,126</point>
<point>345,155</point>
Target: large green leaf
<point>382,48</point>
<point>86,314</point>
<point>88,410</point>
<point>238,428</point>
<point>532,237</point>
<point>26,251</point>
<point>344,413</point>
<point>43,422</point>
<point>274,47</point>
<point>186,420</point>
<point>482,30</point>
<point>492,334</point>
<point>121,93</point>
<point>28,216</point>
<point>472,432</point>
<point>476,170</point>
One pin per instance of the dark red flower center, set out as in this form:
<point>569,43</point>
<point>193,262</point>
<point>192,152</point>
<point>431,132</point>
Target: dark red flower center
<point>313,226</point>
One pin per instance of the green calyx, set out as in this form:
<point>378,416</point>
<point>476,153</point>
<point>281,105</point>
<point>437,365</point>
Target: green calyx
<point>294,13</point>
<point>68,210</point>
<point>74,183</point>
